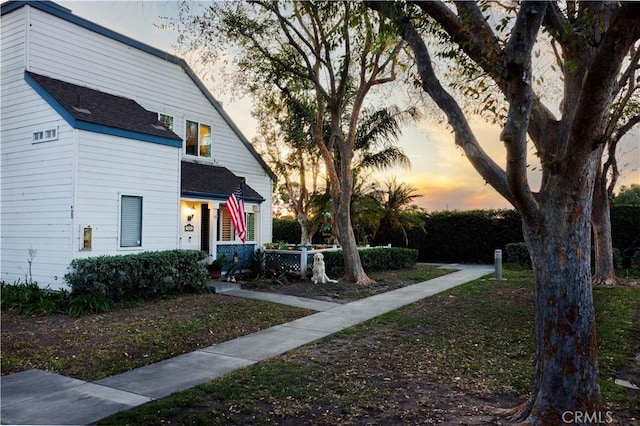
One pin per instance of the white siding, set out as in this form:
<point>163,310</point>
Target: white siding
<point>85,173</point>
<point>72,53</point>
<point>109,167</point>
<point>36,188</point>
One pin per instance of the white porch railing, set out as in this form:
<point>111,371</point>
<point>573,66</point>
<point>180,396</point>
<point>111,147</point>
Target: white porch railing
<point>299,260</point>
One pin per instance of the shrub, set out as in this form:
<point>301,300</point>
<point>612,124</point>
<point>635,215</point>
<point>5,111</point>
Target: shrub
<point>472,236</point>
<point>518,254</point>
<point>465,236</point>
<point>138,276</point>
<point>625,232</point>
<point>28,299</point>
<point>617,258</point>
<point>375,259</point>
<point>84,304</point>
<point>286,229</point>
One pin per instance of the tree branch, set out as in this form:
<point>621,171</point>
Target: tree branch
<point>464,136</point>
<point>517,74</point>
<point>474,36</point>
<point>557,25</point>
<point>596,93</point>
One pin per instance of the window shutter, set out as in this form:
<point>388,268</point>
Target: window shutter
<point>251,227</point>
<point>131,221</point>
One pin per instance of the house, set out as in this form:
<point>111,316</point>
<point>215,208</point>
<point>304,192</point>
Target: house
<point>110,146</point>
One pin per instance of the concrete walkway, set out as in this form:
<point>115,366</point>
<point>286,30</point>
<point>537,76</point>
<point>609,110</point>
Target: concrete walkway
<point>37,397</point>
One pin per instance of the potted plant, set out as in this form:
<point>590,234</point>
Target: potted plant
<point>215,267</point>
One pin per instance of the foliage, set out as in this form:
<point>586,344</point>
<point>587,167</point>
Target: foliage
<point>518,254</point>
<point>398,215</point>
<point>466,236</point>
<point>85,304</point>
<point>29,299</point>
<point>374,259</point>
<point>628,195</point>
<point>625,230</point>
<point>138,276</point>
<point>594,41</point>
<point>333,53</point>
<point>217,263</point>
<point>286,229</point>
<point>472,236</point>
<point>257,263</point>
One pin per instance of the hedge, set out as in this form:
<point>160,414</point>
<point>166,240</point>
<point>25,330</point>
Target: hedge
<point>286,229</point>
<point>625,230</point>
<point>469,236</point>
<point>145,275</point>
<point>374,259</point>
<point>472,236</point>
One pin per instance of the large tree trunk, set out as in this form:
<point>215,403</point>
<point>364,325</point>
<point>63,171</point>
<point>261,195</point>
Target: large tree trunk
<point>341,194</point>
<point>566,376</point>
<point>353,269</point>
<point>556,220</point>
<point>604,272</point>
<point>303,221</point>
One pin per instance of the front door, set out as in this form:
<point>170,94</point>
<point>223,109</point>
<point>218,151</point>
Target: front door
<point>205,227</point>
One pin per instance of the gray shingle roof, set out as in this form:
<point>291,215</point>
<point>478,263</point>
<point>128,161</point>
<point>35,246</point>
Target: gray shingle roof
<point>66,14</point>
<point>216,182</point>
<point>92,106</point>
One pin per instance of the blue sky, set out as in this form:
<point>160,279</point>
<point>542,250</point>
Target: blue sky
<point>440,172</point>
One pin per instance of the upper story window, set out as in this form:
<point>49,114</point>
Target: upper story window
<point>167,120</point>
<point>198,139</point>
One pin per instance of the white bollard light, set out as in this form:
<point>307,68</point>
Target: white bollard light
<point>497,260</point>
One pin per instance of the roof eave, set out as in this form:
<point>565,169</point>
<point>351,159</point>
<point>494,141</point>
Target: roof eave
<point>216,196</point>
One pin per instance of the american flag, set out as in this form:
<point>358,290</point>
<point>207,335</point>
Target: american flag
<point>235,206</point>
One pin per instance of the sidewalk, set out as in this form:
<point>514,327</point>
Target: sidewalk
<point>37,397</point>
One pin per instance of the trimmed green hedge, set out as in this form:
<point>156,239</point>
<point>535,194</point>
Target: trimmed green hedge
<point>466,236</point>
<point>518,254</point>
<point>625,230</point>
<point>472,236</point>
<point>286,229</point>
<point>145,275</point>
<point>375,259</point>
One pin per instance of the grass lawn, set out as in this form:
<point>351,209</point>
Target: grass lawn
<point>101,345</point>
<point>459,356</point>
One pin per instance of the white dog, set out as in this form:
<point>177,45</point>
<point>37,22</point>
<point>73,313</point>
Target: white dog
<point>319,274</point>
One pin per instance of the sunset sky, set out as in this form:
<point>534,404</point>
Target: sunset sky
<point>440,172</point>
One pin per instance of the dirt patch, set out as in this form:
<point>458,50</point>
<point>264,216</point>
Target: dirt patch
<point>342,291</point>
<point>95,346</point>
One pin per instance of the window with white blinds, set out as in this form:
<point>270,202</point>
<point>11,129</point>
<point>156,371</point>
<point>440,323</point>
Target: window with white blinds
<point>225,228</point>
<point>130,221</point>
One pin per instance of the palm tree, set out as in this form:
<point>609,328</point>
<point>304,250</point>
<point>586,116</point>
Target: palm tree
<point>398,214</point>
<point>377,133</point>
